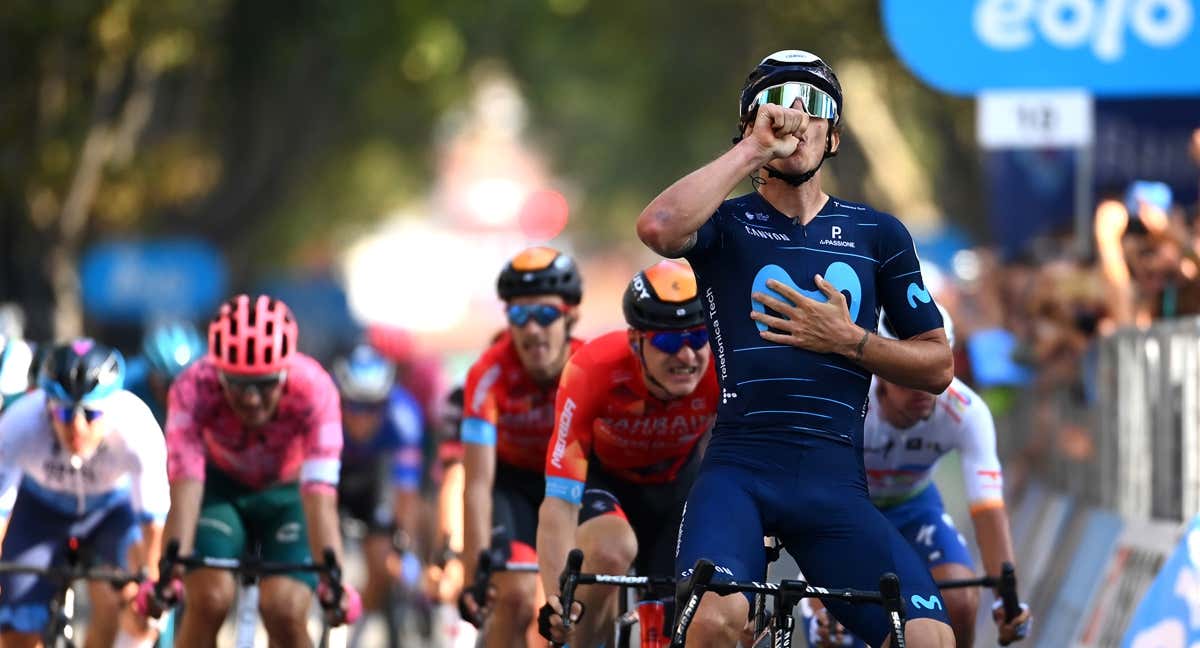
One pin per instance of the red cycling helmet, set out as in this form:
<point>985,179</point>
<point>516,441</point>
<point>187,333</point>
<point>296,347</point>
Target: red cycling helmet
<point>252,335</point>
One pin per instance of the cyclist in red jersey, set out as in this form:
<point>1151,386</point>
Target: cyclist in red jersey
<point>254,436</point>
<point>508,414</point>
<point>638,402</point>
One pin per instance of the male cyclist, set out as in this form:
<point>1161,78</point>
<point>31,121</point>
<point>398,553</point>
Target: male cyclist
<point>508,418</point>
<point>793,280</point>
<point>167,349</point>
<point>381,462</point>
<point>80,458</point>
<point>638,401</point>
<point>254,433</point>
<point>907,431</point>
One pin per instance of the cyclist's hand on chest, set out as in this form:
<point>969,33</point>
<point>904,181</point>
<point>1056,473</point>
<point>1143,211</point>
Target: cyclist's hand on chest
<point>821,327</point>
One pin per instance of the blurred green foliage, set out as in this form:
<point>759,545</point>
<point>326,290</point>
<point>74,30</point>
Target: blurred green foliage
<point>272,125</point>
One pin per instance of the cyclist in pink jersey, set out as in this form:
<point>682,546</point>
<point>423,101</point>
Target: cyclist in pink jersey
<point>254,437</point>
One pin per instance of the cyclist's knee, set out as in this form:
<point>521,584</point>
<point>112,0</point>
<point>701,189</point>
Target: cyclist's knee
<point>284,603</point>
<point>208,596</point>
<point>719,620</point>
<point>926,633</point>
<point>609,545</point>
<point>515,594</point>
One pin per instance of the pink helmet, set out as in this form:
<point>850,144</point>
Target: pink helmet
<point>252,335</point>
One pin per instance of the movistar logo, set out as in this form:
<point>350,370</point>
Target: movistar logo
<point>931,603</point>
<point>917,294</point>
<point>841,275</point>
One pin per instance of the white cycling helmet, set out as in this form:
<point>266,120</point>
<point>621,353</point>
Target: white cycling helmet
<point>885,327</point>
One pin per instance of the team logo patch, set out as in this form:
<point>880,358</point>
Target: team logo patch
<point>841,275</point>
<point>922,603</point>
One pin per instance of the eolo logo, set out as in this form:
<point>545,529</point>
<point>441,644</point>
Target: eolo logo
<point>1103,25</point>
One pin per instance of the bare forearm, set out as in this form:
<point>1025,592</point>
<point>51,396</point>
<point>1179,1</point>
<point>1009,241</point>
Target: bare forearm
<point>451,507</point>
<point>406,508</point>
<point>321,517</point>
<point>152,536</point>
<point>477,523</point>
<point>924,363</point>
<point>668,223</point>
<point>186,495</point>
<point>479,466</point>
<point>555,536</point>
<point>993,536</point>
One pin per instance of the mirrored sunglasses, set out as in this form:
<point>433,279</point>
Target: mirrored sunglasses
<point>544,314</point>
<point>812,100</point>
<point>670,342</point>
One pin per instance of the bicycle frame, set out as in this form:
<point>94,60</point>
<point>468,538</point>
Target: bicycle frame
<point>62,607</point>
<point>787,593</point>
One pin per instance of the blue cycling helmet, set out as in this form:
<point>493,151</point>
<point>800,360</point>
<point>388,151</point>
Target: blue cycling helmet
<point>82,371</point>
<point>364,376</point>
<point>170,347</point>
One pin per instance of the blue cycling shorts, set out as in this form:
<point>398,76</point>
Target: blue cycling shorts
<point>926,526</point>
<point>37,536</point>
<point>811,493</point>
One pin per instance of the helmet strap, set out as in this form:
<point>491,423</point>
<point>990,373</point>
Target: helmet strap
<point>641,349</point>
<point>795,179</point>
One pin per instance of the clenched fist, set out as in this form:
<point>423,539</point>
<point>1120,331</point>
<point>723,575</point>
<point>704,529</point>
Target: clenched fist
<point>777,130</point>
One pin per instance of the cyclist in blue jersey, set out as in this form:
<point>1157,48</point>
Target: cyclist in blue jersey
<point>381,463</point>
<point>167,349</point>
<point>793,280</point>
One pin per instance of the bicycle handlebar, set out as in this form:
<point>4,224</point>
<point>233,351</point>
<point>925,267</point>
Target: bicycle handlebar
<point>693,588</point>
<point>566,587</point>
<point>248,566</point>
<point>1008,592</point>
<point>117,577</point>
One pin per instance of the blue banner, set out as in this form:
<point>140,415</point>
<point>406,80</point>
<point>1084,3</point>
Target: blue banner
<point>1169,614</point>
<point>1108,47</point>
<point>129,282</point>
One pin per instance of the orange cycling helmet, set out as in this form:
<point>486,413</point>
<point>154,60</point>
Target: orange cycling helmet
<point>663,297</point>
<point>540,271</point>
<point>252,335</point>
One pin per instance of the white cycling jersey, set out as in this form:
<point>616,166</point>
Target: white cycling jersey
<point>130,463</point>
<point>900,462</point>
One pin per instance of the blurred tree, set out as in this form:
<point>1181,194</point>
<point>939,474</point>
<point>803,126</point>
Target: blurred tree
<point>268,127</point>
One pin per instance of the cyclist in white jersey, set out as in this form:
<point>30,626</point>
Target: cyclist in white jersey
<point>905,434</point>
<point>80,458</point>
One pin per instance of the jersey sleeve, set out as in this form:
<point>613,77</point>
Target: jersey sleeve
<point>574,413</point>
<point>982,474</point>
<point>185,441</point>
<point>706,239</point>
<point>480,408</point>
<point>322,463</point>
<point>902,293</point>
<point>11,430</point>
<point>149,492</point>
<point>406,423</point>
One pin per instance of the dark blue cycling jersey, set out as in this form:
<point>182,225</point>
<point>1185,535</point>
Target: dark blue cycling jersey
<point>400,433</point>
<point>767,387</point>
